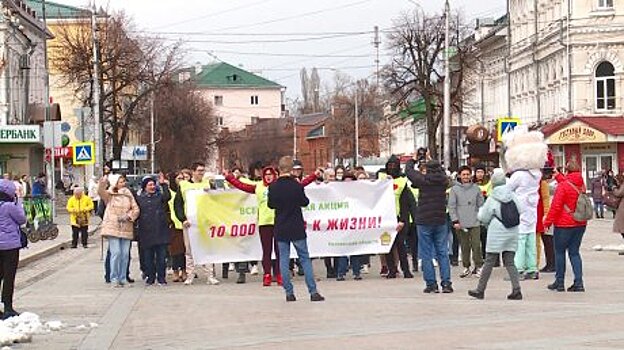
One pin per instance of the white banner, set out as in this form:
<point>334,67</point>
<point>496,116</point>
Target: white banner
<point>343,218</point>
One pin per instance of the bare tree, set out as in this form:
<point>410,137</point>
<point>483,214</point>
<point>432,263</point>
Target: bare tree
<point>180,113</point>
<point>132,67</point>
<point>417,67</point>
<point>341,127</point>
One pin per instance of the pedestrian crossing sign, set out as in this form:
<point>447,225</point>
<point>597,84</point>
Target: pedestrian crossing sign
<point>84,153</point>
<point>506,125</point>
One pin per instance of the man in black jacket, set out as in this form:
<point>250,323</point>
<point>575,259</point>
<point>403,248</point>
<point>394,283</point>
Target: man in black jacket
<point>287,197</point>
<point>431,222</point>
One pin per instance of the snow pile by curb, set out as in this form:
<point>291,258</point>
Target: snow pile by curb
<point>609,248</point>
<point>20,329</point>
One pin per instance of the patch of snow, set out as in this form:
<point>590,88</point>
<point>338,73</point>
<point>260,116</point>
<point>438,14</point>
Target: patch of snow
<point>93,325</point>
<point>81,327</point>
<point>54,325</point>
<point>609,248</point>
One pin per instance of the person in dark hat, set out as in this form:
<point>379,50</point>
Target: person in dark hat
<point>482,179</point>
<point>403,200</point>
<point>153,228</point>
<point>431,223</point>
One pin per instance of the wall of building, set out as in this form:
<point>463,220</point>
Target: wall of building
<point>237,109</point>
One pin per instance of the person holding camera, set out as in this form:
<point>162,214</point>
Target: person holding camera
<point>431,222</point>
<point>12,216</point>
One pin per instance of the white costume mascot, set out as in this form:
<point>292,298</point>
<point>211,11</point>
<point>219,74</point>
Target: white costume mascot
<point>525,154</point>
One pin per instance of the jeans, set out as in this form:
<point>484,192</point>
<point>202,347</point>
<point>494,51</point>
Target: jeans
<point>301,246</point>
<point>599,208</point>
<point>120,251</point>
<point>343,265</point>
<point>154,260</point>
<point>433,243</point>
<point>568,239</point>
<point>107,268</point>
<point>526,255</point>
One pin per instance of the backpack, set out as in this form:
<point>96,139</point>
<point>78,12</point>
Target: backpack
<point>510,216</point>
<point>584,210</point>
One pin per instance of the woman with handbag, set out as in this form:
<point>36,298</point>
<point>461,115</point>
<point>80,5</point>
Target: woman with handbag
<point>12,216</point>
<point>79,208</point>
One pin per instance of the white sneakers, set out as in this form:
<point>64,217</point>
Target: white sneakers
<point>254,270</point>
<point>467,272</point>
<point>213,281</point>
<point>365,269</point>
<point>231,267</point>
<point>189,280</point>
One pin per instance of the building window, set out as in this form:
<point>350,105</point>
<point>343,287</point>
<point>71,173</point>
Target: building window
<point>218,100</point>
<point>254,100</point>
<point>255,120</point>
<point>605,4</point>
<point>220,121</point>
<point>605,86</point>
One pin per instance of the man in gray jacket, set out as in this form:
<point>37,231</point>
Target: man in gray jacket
<point>465,199</point>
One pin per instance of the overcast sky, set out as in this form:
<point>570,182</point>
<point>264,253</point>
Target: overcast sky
<point>231,31</point>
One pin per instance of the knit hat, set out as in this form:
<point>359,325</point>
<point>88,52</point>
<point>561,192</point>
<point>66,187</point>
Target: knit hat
<point>113,179</point>
<point>480,166</point>
<point>7,187</point>
<point>145,181</point>
<point>393,166</point>
<point>498,177</point>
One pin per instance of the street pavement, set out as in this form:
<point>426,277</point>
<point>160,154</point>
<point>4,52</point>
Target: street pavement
<point>369,314</point>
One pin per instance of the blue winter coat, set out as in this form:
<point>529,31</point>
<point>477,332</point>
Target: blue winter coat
<point>153,223</point>
<point>499,238</point>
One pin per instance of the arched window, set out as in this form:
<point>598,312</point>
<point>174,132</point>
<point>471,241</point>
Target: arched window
<point>605,86</point>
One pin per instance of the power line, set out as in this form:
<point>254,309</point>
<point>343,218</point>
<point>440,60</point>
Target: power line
<point>211,33</point>
<point>281,54</point>
<point>214,14</point>
<point>298,16</point>
<point>241,42</point>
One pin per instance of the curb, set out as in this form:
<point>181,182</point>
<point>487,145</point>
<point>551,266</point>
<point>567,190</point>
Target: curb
<point>60,246</point>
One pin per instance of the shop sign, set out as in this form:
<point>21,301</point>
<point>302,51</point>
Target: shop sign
<point>59,152</point>
<point>577,133</point>
<point>20,134</point>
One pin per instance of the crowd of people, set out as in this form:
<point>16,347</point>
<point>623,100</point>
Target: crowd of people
<point>490,217</point>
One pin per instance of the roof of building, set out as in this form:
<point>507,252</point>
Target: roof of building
<point>312,119</point>
<point>55,10</point>
<point>415,109</point>
<point>609,125</point>
<point>224,75</point>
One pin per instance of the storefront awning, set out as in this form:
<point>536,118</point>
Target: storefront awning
<point>585,129</point>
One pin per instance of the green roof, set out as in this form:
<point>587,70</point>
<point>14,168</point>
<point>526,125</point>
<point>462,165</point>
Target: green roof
<point>55,10</point>
<point>415,109</point>
<point>228,76</point>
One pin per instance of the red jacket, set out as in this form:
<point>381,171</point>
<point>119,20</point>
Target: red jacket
<point>564,201</point>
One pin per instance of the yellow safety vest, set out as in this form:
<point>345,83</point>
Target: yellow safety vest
<point>186,186</point>
<point>486,189</point>
<point>399,186</point>
<point>266,215</point>
<point>177,223</point>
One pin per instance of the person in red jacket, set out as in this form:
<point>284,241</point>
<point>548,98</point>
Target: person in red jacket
<point>568,233</point>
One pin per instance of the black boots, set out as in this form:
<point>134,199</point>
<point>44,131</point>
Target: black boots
<point>515,295</point>
<point>576,288</point>
<point>476,294</point>
<point>241,278</point>
<point>9,311</point>
<point>556,286</point>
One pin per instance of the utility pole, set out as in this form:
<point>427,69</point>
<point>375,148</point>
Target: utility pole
<point>447,87</point>
<point>99,148</point>
<point>376,43</point>
<point>152,143</point>
<point>357,128</point>
<point>294,137</point>
<point>46,95</point>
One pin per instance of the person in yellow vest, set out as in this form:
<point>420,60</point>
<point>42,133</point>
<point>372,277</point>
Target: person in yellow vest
<point>197,181</point>
<point>79,208</point>
<point>403,195</point>
<point>176,246</point>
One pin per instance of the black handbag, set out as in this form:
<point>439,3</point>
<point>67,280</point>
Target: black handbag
<point>23,238</point>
